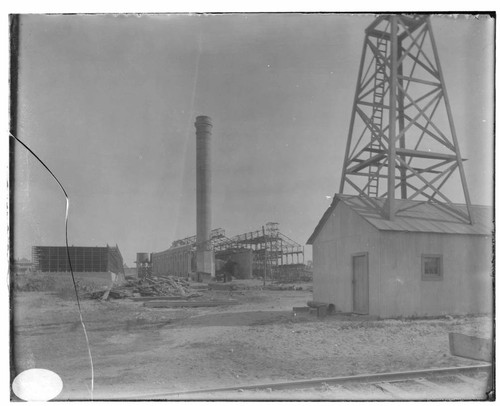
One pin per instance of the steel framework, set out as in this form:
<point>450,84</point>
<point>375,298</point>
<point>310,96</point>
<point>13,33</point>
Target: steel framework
<point>272,250</point>
<point>218,241</point>
<point>402,141</point>
<point>83,259</point>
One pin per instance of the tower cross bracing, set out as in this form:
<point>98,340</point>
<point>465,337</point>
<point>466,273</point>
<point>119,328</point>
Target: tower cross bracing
<point>402,142</point>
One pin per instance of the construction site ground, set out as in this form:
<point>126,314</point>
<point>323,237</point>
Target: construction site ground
<point>138,350</point>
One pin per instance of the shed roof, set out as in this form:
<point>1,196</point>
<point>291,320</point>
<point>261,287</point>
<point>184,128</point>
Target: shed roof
<point>414,216</point>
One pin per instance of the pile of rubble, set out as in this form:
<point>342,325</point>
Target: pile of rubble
<point>154,286</point>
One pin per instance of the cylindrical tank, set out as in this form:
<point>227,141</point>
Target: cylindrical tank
<point>142,257</point>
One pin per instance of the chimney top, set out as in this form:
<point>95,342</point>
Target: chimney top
<point>203,120</point>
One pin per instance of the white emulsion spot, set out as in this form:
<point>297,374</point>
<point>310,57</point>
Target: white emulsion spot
<point>37,385</point>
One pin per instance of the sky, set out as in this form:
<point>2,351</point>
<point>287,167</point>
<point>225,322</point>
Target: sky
<point>108,102</point>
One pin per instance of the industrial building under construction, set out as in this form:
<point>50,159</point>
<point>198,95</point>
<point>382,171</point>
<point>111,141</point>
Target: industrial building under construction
<point>83,259</point>
<point>265,252</point>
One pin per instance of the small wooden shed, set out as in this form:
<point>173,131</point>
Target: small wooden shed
<point>425,262</point>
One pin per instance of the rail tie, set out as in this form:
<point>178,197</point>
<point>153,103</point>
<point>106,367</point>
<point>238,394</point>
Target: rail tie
<point>310,383</point>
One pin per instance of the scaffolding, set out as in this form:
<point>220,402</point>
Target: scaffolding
<point>83,259</point>
<point>218,241</point>
<point>273,252</point>
<point>275,256</point>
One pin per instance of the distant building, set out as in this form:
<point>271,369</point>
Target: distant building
<point>83,259</point>
<point>425,262</point>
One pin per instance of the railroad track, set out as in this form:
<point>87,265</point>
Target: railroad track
<point>466,383</point>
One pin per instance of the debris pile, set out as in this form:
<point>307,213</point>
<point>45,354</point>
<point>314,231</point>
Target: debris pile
<point>154,286</point>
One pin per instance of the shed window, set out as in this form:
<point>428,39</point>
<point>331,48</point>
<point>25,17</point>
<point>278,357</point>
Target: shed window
<point>432,267</point>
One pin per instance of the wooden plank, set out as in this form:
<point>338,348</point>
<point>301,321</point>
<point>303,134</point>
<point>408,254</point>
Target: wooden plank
<point>366,163</point>
<point>392,390</point>
<point>470,380</point>
<point>429,384</point>
<point>301,309</point>
<point>312,303</point>
<point>173,304</point>
<point>221,286</point>
<point>379,34</point>
<point>465,346</point>
<point>376,22</point>
<point>147,298</point>
<point>424,154</point>
<point>106,294</point>
<point>198,287</point>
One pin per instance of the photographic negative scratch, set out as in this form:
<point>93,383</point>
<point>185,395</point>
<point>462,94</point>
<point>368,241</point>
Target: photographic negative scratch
<point>69,260</point>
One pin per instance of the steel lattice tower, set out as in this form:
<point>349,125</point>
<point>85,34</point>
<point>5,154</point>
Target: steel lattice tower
<point>402,142</point>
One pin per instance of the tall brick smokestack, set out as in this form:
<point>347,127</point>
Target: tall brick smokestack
<point>204,255</point>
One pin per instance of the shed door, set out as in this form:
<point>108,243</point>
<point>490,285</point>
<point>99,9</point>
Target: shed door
<point>360,283</point>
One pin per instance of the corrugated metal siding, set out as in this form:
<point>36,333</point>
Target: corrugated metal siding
<point>174,261</point>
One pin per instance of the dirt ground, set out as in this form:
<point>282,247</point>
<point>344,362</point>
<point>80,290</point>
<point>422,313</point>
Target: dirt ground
<point>138,350</point>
